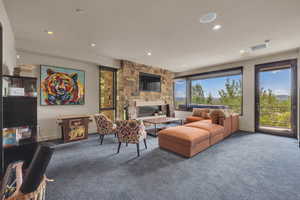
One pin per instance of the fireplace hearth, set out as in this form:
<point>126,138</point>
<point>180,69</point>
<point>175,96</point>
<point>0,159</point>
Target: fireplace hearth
<point>138,109</point>
<point>146,111</point>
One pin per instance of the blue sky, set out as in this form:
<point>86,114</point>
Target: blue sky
<point>213,85</point>
<point>180,89</point>
<point>279,81</point>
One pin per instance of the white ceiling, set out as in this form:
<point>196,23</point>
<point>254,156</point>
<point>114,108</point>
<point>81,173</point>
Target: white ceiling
<point>170,29</point>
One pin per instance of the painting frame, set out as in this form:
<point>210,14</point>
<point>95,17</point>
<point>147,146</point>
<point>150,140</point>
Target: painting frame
<point>67,70</point>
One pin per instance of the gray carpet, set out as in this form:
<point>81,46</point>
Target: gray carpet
<point>244,166</point>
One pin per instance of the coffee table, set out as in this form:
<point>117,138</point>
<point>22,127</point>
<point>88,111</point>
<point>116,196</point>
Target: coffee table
<point>161,120</point>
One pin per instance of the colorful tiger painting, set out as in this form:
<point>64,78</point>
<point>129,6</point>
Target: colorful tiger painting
<point>61,88</point>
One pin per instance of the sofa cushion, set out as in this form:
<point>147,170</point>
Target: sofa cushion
<point>217,116</point>
<point>213,129</point>
<point>201,112</point>
<point>193,119</point>
<point>184,135</point>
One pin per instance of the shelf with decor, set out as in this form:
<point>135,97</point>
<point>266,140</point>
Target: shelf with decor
<point>19,139</point>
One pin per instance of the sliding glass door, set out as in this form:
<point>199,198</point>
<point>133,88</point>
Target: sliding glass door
<point>276,98</point>
<point>107,93</point>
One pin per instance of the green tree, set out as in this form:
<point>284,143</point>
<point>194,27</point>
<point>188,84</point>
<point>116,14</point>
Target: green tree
<point>274,112</point>
<point>209,99</point>
<point>198,94</point>
<point>231,95</point>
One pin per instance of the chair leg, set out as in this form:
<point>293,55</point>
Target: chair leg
<point>119,147</point>
<point>145,143</point>
<point>115,134</point>
<point>102,137</point>
<point>138,149</point>
<point>126,144</point>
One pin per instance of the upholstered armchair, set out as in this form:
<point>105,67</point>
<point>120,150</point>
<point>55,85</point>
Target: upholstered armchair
<point>132,132</point>
<point>104,126</point>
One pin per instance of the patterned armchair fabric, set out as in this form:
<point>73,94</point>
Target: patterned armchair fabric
<point>131,131</point>
<point>104,125</point>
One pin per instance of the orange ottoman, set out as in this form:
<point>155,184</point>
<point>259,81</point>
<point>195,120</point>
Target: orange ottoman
<point>186,141</point>
<point>216,131</point>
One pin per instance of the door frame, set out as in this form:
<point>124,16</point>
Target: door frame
<point>114,70</point>
<point>294,96</point>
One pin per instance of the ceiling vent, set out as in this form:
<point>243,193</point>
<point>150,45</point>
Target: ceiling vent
<point>261,46</point>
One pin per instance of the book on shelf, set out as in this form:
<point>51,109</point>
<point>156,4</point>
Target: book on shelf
<point>24,132</point>
<point>9,137</point>
<point>12,136</point>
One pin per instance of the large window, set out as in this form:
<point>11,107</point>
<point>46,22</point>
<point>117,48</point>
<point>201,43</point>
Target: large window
<point>213,88</point>
<point>180,94</point>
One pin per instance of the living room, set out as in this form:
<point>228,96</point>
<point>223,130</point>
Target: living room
<point>148,100</point>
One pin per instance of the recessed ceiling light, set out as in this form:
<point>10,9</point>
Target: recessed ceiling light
<point>18,56</point>
<point>217,27</point>
<point>208,18</point>
<point>149,54</point>
<point>49,32</point>
<point>93,44</point>
<point>242,51</point>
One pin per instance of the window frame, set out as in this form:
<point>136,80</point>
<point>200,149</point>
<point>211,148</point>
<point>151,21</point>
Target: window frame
<point>114,107</point>
<point>189,79</point>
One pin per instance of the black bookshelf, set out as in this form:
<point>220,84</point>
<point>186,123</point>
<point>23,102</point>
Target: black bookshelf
<point>19,114</point>
<point>1,115</point>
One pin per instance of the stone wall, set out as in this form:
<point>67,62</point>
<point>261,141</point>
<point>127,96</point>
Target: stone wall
<point>128,86</point>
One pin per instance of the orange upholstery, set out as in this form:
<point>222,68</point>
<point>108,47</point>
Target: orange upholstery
<point>227,125</point>
<point>193,119</point>
<point>186,141</point>
<point>201,112</point>
<point>196,136</point>
<point>235,123</point>
<point>213,129</point>
<point>179,133</point>
<point>216,131</point>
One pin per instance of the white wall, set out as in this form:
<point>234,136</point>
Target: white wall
<point>47,114</point>
<point>9,52</point>
<point>247,122</point>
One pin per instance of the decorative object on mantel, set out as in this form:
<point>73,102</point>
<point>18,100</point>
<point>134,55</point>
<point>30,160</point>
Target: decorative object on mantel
<point>74,127</point>
<point>62,86</point>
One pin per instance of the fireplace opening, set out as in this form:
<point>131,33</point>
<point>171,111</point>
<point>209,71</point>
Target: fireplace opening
<point>146,111</point>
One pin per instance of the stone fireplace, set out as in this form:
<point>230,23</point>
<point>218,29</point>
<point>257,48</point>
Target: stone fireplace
<point>130,97</point>
<point>148,109</point>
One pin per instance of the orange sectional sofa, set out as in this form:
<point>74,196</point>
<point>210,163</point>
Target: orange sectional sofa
<point>192,138</point>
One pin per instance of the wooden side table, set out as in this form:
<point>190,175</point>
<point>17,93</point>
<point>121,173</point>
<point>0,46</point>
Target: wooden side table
<point>74,127</point>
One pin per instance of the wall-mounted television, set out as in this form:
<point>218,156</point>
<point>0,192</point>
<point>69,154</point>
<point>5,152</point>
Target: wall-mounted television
<point>150,82</point>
